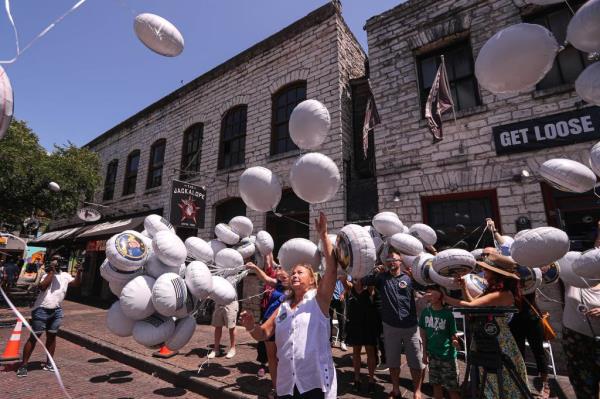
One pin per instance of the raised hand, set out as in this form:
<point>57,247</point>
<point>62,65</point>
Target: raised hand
<point>247,320</point>
<point>321,225</point>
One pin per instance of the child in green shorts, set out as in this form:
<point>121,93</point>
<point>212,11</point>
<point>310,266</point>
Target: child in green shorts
<point>438,333</point>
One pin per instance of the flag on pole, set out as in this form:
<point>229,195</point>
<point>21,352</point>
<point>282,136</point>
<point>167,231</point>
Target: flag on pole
<point>371,120</point>
<point>438,102</point>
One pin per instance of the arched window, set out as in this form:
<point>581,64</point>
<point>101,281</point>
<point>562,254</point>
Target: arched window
<point>157,159</point>
<point>284,102</point>
<point>111,178</point>
<point>233,137</point>
<point>191,151</point>
<point>131,172</point>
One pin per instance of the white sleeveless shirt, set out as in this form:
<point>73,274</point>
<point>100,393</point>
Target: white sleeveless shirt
<point>302,339</point>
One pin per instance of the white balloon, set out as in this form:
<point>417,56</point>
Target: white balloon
<point>136,298</point>
<point>588,264</point>
<point>568,276</point>
<point>448,282</point>
<point>127,251</point>
<point>531,279</point>
<point>264,243</point>
<point>355,251</point>
<point>516,58</point>
<point>155,268</point>
<point>452,262</point>
<point>229,258</point>
<point>156,223</point>
<point>540,247</point>
<point>169,248</point>
<point>387,224</point>
<point>587,84</point>
<point>53,186</point>
<point>216,246</point>
<point>424,233</point>
<point>298,251</point>
<point>117,322</point>
<point>406,244</point>
<point>595,158</point>
<point>309,124</point>
<point>158,34</point>
<point>315,178</point>
<point>223,293</point>
<point>184,330</point>
<point>475,285</point>
<point>583,31</point>
<point>169,294</point>
<point>112,274</point>
<point>7,105</point>
<point>260,189</point>
<point>477,252</point>
<point>225,234</point>
<point>191,303</point>
<point>153,330</point>
<point>568,175</point>
<point>116,287</point>
<point>421,267</point>
<point>198,279</point>
<point>199,249</point>
<point>242,226</point>
<point>245,247</point>
<point>519,234</point>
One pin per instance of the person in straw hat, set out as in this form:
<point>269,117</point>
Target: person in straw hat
<point>503,291</point>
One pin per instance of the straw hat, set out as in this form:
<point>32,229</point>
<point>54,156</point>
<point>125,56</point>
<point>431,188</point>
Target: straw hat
<point>500,264</point>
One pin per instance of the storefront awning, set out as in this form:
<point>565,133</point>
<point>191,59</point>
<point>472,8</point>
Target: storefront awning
<point>107,229</point>
<point>55,235</point>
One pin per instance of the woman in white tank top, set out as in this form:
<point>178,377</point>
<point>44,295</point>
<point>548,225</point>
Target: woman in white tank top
<point>301,328</point>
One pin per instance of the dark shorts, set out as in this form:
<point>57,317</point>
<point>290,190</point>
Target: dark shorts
<point>43,319</point>
<point>444,373</point>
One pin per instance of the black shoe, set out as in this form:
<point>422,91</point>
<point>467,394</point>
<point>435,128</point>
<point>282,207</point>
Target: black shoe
<point>22,372</point>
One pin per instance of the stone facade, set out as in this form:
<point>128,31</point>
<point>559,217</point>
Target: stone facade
<point>465,160</point>
<point>319,49</point>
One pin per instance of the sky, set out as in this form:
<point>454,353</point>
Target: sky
<point>91,72</point>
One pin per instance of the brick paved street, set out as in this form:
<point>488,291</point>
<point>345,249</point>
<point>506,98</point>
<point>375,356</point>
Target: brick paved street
<point>235,377</point>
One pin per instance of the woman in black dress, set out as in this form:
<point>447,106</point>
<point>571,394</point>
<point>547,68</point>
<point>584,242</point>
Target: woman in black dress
<point>362,329</point>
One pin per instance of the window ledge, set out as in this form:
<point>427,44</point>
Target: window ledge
<point>463,113</point>
<point>231,169</point>
<point>284,155</point>
<point>128,196</point>
<point>564,88</point>
<point>152,190</point>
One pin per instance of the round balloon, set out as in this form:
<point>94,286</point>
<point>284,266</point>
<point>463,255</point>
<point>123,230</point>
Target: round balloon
<point>298,251</point>
<point>217,246</point>
<point>245,247</point>
<point>53,186</point>
<point>242,226</point>
<point>448,282</point>
<point>153,330</point>
<point>424,233</point>
<point>169,248</point>
<point>127,251</point>
<point>550,273</point>
<point>588,264</point>
<point>595,158</point>
<point>587,84</point>
<point>184,330</point>
<point>475,285</point>
<point>155,268</point>
<point>156,223</point>
<point>229,258</point>
<point>583,31</point>
<point>568,276</point>
<point>516,58</point>
<point>223,293</point>
<point>225,234</point>
<point>117,322</point>
<point>531,279</point>
<point>540,247</point>
<point>309,124</point>
<point>112,274</point>
<point>453,262</point>
<point>199,249</point>
<point>315,178</point>
<point>406,244</point>
<point>136,298</point>
<point>421,268</point>
<point>568,175</point>
<point>169,294</point>
<point>158,34</point>
<point>355,251</point>
<point>198,279</point>
<point>264,243</point>
<point>387,224</point>
<point>7,105</point>
<point>260,189</point>
<point>116,287</point>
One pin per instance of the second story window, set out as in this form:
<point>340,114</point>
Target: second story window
<point>461,74</point>
<point>284,102</point>
<point>569,63</point>
<point>232,149</point>
<point>192,148</point>
<point>131,172</point>
<point>111,178</point>
<point>157,159</point>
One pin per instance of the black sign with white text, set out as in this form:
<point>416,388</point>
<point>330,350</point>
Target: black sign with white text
<point>549,131</point>
<point>188,203</point>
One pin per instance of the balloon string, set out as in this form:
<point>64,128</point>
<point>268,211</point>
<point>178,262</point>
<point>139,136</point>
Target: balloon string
<point>26,324</point>
<point>280,215</point>
<point>481,236</point>
<point>595,193</point>
<point>570,8</point>
<point>39,36</point>
<point>548,298</point>
<point>467,236</point>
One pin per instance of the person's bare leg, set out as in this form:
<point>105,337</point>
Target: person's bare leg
<point>232,338</point>
<point>454,395</point>
<point>417,379</point>
<point>50,344</point>
<point>371,361</point>
<point>217,345</point>
<point>27,350</point>
<point>395,375</point>
<point>272,359</point>
<point>356,349</point>
<point>438,391</point>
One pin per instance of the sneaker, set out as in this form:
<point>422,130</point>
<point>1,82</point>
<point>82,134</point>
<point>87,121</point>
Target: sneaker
<point>211,355</point>
<point>48,367</point>
<point>261,372</point>
<point>343,347</point>
<point>230,353</point>
<point>382,367</point>
<point>22,372</point>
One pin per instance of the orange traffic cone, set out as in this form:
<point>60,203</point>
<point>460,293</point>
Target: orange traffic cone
<point>11,353</point>
<point>165,352</point>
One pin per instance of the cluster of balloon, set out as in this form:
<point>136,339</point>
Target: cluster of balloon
<point>583,32</point>
<point>6,102</point>
<point>158,34</point>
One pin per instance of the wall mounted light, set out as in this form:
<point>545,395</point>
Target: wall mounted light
<point>518,178</point>
<point>397,196</point>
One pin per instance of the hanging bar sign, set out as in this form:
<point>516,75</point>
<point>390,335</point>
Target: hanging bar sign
<point>188,203</point>
<point>550,131</point>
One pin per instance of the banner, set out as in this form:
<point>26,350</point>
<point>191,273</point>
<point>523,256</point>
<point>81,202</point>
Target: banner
<point>188,203</point>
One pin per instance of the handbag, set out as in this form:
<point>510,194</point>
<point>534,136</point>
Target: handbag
<point>548,331</point>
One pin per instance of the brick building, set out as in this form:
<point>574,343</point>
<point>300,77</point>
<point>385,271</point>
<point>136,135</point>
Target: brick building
<point>233,117</point>
<point>475,171</point>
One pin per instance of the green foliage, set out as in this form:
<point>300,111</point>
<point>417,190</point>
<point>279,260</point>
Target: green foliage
<point>26,168</point>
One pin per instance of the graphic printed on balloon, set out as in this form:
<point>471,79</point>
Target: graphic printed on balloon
<point>531,279</point>
<point>516,58</point>
<point>309,124</point>
<point>587,84</point>
<point>355,251</point>
<point>568,175</point>
<point>6,103</point>
<point>127,251</point>
<point>169,294</point>
<point>550,274</point>
<point>583,31</point>
<point>260,189</point>
<point>158,34</point>
<point>475,285</point>
<point>421,267</point>
<point>453,262</point>
<point>315,178</point>
<point>540,247</point>
<point>298,251</point>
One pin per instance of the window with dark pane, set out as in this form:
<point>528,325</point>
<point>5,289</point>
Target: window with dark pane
<point>228,209</point>
<point>461,74</point>
<point>111,178</point>
<point>157,159</point>
<point>233,137</point>
<point>568,63</point>
<point>191,152</point>
<point>284,102</point>
<point>131,172</point>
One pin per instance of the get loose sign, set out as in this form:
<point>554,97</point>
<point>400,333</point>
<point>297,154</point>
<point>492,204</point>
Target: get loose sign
<point>550,131</point>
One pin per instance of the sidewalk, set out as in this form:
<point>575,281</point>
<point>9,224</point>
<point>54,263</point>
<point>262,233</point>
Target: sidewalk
<point>234,378</point>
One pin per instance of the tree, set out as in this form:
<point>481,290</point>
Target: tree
<point>26,168</point>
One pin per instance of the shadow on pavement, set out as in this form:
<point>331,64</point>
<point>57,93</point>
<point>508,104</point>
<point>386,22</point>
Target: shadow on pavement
<point>120,380</point>
<point>170,392</point>
<point>98,360</point>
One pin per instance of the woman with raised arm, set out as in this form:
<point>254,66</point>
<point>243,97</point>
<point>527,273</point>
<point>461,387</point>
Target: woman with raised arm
<point>301,328</point>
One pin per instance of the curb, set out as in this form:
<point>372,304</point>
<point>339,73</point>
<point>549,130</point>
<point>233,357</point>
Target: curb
<point>169,373</point>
